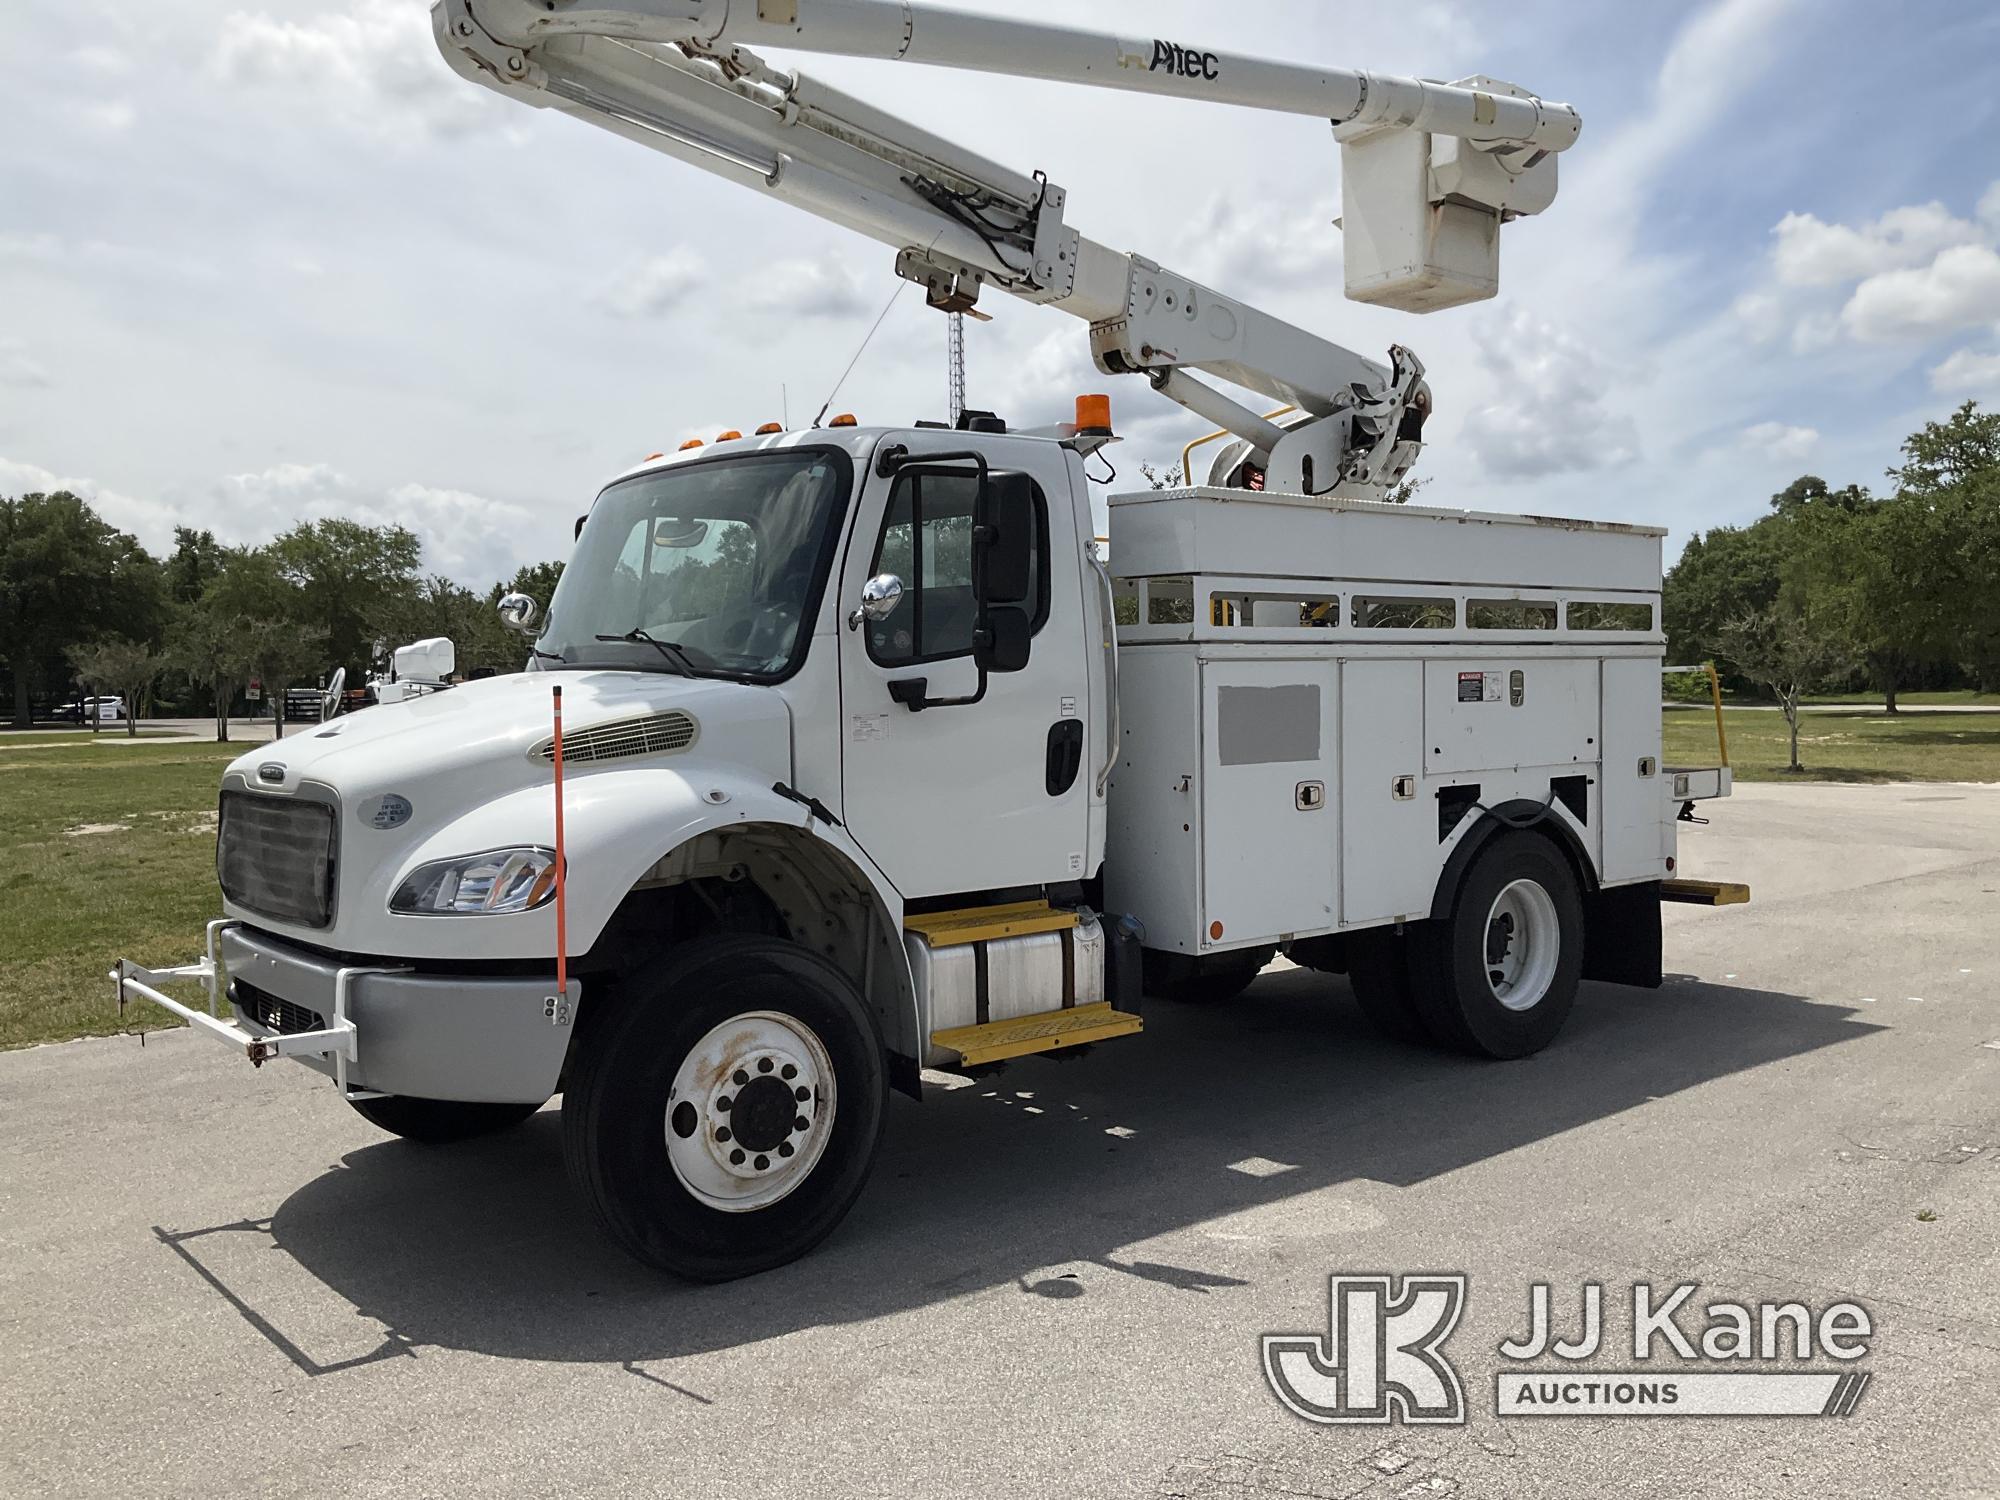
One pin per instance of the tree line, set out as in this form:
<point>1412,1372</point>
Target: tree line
<point>1843,589</point>
<point>84,607</point>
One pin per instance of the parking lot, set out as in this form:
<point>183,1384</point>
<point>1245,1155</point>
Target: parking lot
<point>218,1282</point>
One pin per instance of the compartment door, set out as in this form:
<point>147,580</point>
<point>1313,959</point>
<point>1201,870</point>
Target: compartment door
<point>1270,832</point>
<point>1389,843</point>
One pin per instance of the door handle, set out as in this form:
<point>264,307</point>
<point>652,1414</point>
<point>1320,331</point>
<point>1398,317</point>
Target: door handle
<point>1065,755</point>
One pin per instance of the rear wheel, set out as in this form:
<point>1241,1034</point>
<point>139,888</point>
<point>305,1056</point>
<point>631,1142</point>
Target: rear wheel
<point>1378,967</point>
<point>1209,981</point>
<point>724,1118</point>
<point>439,1122</point>
<point>1498,975</point>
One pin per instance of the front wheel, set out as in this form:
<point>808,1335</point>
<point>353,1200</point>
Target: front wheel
<point>1498,974</point>
<point>439,1122</point>
<point>724,1118</point>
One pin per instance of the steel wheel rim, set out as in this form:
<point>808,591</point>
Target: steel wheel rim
<point>1523,945</point>
<point>729,1142</point>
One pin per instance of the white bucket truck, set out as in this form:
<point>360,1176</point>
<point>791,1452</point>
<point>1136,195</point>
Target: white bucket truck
<point>859,776</point>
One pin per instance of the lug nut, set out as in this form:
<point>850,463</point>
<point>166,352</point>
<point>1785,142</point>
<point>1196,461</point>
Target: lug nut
<point>800,1122</point>
<point>785,1149</point>
<point>736,1158</point>
<point>788,1072</point>
<point>722,1132</point>
<point>762,1163</point>
<point>801,1094</point>
<point>764,1065</point>
<point>740,1078</point>
<point>722,1104</point>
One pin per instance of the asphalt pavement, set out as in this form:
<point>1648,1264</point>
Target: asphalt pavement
<point>221,1282</point>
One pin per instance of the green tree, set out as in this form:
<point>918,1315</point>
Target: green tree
<point>1786,649</point>
<point>66,577</point>
<point>1722,576</point>
<point>196,561</point>
<point>537,580</point>
<point>1947,453</point>
<point>124,667</point>
<point>211,646</point>
<point>282,655</point>
<point>350,579</point>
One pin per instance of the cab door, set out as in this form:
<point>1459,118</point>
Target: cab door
<point>946,796</point>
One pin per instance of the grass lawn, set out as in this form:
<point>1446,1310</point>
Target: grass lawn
<point>72,902</point>
<point>72,736</point>
<point>1862,745</point>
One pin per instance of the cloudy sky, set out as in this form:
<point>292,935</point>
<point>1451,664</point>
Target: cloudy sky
<point>268,259</point>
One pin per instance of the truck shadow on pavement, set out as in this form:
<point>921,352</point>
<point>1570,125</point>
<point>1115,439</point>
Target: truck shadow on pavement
<point>483,1247</point>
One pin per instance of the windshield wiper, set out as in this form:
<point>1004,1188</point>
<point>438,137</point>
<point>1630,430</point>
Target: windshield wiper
<point>541,655</point>
<point>675,656</point>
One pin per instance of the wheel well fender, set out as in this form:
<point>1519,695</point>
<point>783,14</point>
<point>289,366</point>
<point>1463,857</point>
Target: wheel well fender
<point>823,891</point>
<point>1551,821</point>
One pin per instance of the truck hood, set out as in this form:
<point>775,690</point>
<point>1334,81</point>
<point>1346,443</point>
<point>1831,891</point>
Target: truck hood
<point>499,720</point>
<point>460,771</point>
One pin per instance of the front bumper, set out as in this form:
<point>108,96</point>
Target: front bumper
<point>372,1029</point>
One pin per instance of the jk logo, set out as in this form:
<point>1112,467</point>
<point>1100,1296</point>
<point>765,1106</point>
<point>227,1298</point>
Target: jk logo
<point>1380,1360</point>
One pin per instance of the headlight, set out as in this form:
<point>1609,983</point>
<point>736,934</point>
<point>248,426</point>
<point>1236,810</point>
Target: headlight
<point>500,880</point>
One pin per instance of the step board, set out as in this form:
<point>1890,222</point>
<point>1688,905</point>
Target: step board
<point>981,924</point>
<point>998,1040</point>
<point>1705,892</point>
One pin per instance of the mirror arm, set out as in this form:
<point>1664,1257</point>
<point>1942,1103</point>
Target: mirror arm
<point>909,691</point>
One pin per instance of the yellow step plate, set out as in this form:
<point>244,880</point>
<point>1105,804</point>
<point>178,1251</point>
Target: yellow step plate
<point>1705,892</point>
<point>979,924</point>
<point>998,1040</point>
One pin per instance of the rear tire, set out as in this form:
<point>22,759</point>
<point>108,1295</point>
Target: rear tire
<point>1378,966</point>
<point>723,1117</point>
<point>1209,981</point>
<point>1498,974</point>
<point>439,1122</point>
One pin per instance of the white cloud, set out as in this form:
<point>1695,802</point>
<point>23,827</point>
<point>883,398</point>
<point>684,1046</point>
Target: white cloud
<point>107,116</point>
<point>1551,416</point>
<point>1812,253</point>
<point>466,536</point>
<point>1777,440</point>
<point>810,289</point>
<point>1957,289</point>
<point>149,520</point>
<point>19,368</point>
<point>652,287</point>
<point>374,66</point>
<point>1966,372</point>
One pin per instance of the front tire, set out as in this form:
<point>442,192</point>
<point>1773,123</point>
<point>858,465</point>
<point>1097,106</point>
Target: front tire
<point>725,1116</point>
<point>1498,974</point>
<point>439,1122</point>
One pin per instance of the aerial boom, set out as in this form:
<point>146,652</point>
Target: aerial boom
<point>1432,170</point>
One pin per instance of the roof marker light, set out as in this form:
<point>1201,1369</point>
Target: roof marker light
<point>728,437</point>
<point>845,419</point>
<point>770,427</point>
<point>690,443</point>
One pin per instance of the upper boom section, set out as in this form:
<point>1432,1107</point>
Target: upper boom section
<point>898,31</point>
<point>1431,172</point>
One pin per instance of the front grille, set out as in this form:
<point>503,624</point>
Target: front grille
<point>275,855</point>
<point>273,1014</point>
<point>652,734</point>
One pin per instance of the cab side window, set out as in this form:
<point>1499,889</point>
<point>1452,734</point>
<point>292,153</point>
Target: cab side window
<point>927,542</point>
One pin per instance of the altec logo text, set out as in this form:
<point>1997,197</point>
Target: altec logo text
<point>1184,62</point>
<point>1382,1358</point>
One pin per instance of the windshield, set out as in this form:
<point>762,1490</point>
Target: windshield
<point>721,562</point>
